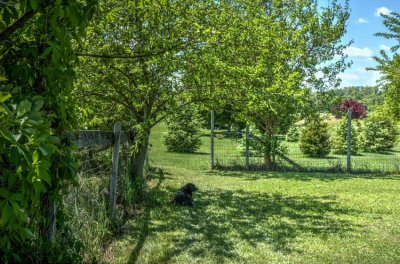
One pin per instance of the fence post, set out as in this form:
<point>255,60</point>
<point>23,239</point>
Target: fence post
<point>114,169</point>
<point>247,146</point>
<point>349,116</point>
<point>212,139</point>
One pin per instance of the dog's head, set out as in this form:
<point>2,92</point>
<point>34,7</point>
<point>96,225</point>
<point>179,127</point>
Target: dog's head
<point>189,188</point>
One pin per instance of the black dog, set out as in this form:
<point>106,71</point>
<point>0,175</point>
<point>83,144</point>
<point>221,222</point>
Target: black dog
<point>184,195</point>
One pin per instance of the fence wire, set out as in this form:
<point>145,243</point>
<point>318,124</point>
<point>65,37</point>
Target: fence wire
<point>230,152</point>
<point>87,203</point>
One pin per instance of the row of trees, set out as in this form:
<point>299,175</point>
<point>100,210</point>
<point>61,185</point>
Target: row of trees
<point>377,134</point>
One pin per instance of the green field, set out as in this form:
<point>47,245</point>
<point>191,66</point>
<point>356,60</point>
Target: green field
<point>256,217</point>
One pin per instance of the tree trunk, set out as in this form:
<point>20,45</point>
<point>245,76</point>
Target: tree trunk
<point>268,161</point>
<point>138,160</point>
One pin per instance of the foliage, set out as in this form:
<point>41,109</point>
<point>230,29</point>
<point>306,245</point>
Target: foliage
<point>379,133</point>
<point>389,65</point>
<point>357,109</point>
<point>284,45</point>
<point>369,96</point>
<point>293,134</point>
<point>314,138</point>
<point>132,66</point>
<point>339,138</point>
<point>36,76</point>
<point>183,131</point>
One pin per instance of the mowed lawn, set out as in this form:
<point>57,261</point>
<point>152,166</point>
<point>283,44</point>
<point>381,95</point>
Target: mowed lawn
<point>258,217</point>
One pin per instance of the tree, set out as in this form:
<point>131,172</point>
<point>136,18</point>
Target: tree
<point>339,138</point>
<point>357,109</point>
<point>389,66</point>
<point>293,134</point>
<point>132,58</point>
<point>314,138</point>
<point>36,158</point>
<point>379,133</point>
<point>183,131</point>
<point>288,43</point>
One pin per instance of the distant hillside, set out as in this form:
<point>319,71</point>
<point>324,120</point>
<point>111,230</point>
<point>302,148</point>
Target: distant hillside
<point>370,96</point>
<point>367,95</point>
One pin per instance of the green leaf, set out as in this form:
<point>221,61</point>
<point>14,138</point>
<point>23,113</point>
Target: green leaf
<point>7,135</point>
<point>34,4</point>
<point>16,208</point>
<point>5,214</point>
<point>24,107</point>
<point>26,233</point>
<point>43,174</point>
<point>37,105</point>
<point>4,193</point>
<point>16,197</point>
<point>35,156</point>
<point>4,96</point>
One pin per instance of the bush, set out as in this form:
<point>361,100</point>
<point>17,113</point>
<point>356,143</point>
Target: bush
<point>379,135</point>
<point>314,138</point>
<point>183,132</point>
<point>339,138</point>
<point>293,134</point>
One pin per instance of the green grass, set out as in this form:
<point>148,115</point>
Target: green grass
<point>257,217</point>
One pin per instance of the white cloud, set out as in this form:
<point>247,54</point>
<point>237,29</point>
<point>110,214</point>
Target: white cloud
<point>358,52</point>
<point>359,77</point>
<point>349,76</point>
<point>382,10</point>
<point>361,20</point>
<point>384,47</point>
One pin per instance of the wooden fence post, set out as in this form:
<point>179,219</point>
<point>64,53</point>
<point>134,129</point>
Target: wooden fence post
<point>247,146</point>
<point>114,169</point>
<point>212,139</point>
<point>349,116</point>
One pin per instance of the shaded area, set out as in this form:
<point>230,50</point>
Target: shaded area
<point>222,218</point>
<point>304,176</point>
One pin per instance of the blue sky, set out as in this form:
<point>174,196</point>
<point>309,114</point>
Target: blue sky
<point>365,20</point>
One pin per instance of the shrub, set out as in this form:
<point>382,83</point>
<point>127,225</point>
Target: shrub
<point>339,138</point>
<point>293,134</point>
<point>314,138</point>
<point>358,110</point>
<point>379,135</point>
<point>183,132</point>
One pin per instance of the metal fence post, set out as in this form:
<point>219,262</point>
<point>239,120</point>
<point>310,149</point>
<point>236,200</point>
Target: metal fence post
<point>349,116</point>
<point>247,146</point>
<point>114,170</point>
<point>212,139</point>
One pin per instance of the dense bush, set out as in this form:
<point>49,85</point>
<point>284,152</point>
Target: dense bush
<point>339,138</point>
<point>379,135</point>
<point>314,138</point>
<point>183,132</point>
<point>293,134</point>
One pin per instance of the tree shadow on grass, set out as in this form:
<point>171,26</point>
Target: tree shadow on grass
<point>221,219</point>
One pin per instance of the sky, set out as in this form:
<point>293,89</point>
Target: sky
<point>364,21</point>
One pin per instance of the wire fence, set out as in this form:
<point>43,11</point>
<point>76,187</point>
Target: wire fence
<point>87,203</point>
<point>229,151</point>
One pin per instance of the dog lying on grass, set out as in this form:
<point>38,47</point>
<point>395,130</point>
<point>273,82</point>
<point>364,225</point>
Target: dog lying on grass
<point>185,195</point>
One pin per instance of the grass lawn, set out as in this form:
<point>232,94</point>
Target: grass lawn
<point>256,217</point>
